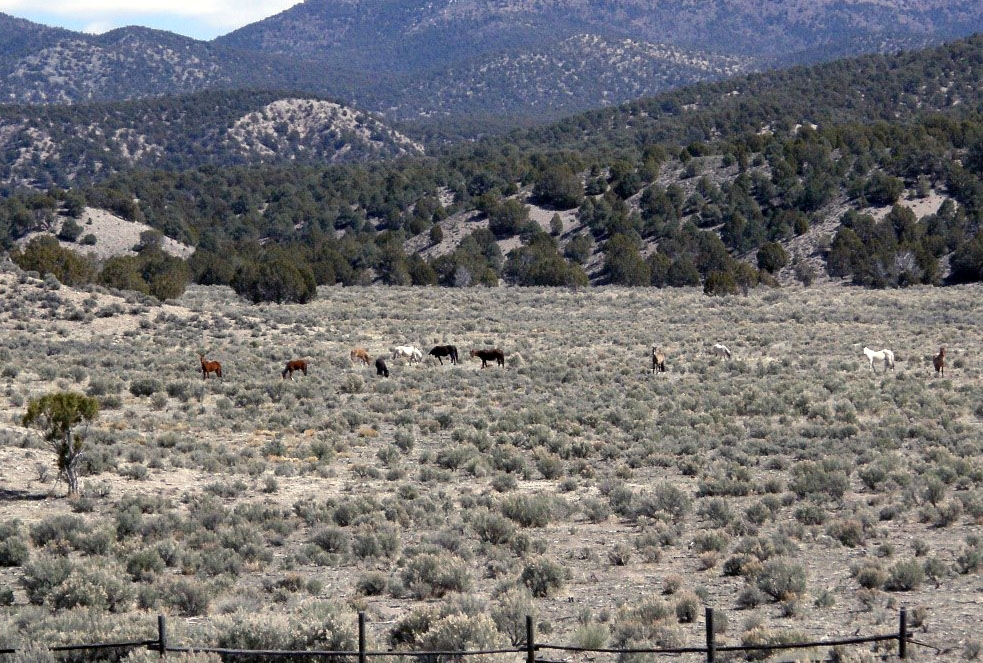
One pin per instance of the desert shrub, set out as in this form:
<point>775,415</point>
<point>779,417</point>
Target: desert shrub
<point>870,576</point>
<point>688,607</point>
<point>904,576</point>
<point>93,588</point>
<point>331,540</point>
<point>457,632</point>
<point>848,532</point>
<point>145,386</point>
<point>318,626</point>
<point>591,635</point>
<point>491,527</point>
<point>811,479</point>
<point>664,502</point>
<point>32,652</point>
<point>372,583</point>
<point>434,575</point>
<point>619,554</point>
<point>782,580</point>
<point>145,565</point>
<point>509,613</point>
<point>42,574</point>
<point>188,597</point>
<point>529,510</point>
<point>14,550</point>
<point>543,577</point>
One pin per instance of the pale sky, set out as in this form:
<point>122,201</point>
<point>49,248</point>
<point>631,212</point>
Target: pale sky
<point>201,19</point>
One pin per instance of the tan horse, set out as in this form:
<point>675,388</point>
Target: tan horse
<point>359,355</point>
<point>210,367</point>
<point>939,362</point>
<point>658,361</point>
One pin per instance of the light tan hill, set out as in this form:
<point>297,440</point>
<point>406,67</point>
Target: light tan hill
<point>114,235</point>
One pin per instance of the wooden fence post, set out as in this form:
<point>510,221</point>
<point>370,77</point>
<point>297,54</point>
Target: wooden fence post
<point>711,644</point>
<point>530,640</point>
<point>361,637</point>
<point>903,634</point>
<point>161,635</point>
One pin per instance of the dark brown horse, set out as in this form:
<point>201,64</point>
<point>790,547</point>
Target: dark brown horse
<point>488,355</point>
<point>210,367</point>
<point>658,361</point>
<point>294,365</point>
<point>939,362</point>
<point>444,351</point>
<point>381,368</point>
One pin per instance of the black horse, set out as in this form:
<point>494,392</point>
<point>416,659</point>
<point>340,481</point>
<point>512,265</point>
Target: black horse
<point>381,368</point>
<point>486,356</point>
<point>444,351</point>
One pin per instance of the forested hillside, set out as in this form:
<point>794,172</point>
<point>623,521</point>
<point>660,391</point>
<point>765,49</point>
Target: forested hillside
<point>803,174</point>
<point>44,146</point>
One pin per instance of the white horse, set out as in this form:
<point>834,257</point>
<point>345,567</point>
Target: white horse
<point>720,350</point>
<point>407,352</point>
<point>884,355</point>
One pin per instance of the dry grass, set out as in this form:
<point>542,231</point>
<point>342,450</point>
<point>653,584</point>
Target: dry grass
<point>623,499</point>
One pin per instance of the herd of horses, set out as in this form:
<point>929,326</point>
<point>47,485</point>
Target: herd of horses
<point>885,355</point>
<point>361,356</point>
<point>413,355</point>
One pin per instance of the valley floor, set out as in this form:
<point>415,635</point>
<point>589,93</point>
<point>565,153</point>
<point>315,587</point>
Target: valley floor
<point>642,491</point>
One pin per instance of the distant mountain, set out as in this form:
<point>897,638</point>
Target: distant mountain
<point>62,145</point>
<point>440,62</point>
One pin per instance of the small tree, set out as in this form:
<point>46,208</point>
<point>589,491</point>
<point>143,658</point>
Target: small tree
<point>59,416</point>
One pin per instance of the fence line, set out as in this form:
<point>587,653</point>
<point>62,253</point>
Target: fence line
<point>530,647</point>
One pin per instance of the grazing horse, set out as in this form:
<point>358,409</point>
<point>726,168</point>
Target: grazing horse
<point>884,355</point>
<point>658,360</point>
<point>381,368</point>
<point>209,367</point>
<point>487,355</point>
<point>720,350</point>
<point>444,351</point>
<point>407,352</point>
<point>939,362</point>
<point>359,355</point>
<point>295,365</point>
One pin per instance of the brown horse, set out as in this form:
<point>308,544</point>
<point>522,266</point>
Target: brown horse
<point>487,355</point>
<point>359,354</point>
<point>295,365</point>
<point>210,367</point>
<point>939,362</point>
<point>658,361</point>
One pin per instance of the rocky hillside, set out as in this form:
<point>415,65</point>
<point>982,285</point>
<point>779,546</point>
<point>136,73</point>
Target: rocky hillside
<point>81,143</point>
<point>579,72</point>
<point>500,64</point>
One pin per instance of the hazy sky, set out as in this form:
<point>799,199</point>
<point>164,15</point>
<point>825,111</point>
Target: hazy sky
<point>201,19</point>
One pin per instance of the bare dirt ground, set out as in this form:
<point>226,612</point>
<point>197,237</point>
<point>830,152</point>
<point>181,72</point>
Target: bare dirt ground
<point>433,461</point>
<point>115,236</point>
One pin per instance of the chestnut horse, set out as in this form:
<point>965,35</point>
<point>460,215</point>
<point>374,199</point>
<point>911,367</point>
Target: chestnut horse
<point>294,365</point>
<point>658,361</point>
<point>210,367</point>
<point>444,351</point>
<point>487,355</point>
<point>359,354</point>
<point>939,362</point>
